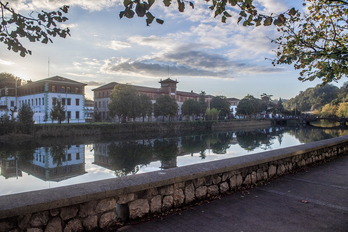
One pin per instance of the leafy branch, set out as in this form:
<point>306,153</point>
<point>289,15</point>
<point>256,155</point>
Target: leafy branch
<point>38,26</point>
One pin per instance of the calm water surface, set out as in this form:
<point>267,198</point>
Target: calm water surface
<point>27,168</point>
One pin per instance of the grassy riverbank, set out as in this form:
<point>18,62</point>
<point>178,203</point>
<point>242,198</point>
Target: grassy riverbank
<point>44,131</point>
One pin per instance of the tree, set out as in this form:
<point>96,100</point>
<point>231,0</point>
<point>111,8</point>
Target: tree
<point>328,110</point>
<point>190,107</point>
<point>245,107</point>
<point>342,110</point>
<point>7,76</point>
<point>124,102</point>
<point>220,103</point>
<point>25,117</point>
<point>212,114</point>
<point>58,111</point>
<point>280,107</point>
<point>165,106</point>
<point>145,106</point>
<point>203,104</point>
<point>36,27</point>
<point>316,42</point>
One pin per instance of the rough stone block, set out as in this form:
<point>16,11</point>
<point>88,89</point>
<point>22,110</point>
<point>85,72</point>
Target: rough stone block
<point>54,212</point>
<point>199,182</point>
<point>138,208</point>
<point>239,180</point>
<point>226,176</point>
<point>123,199</point>
<point>208,180</point>
<point>253,178</point>
<point>5,226</point>
<point>281,170</point>
<point>201,192</point>
<point>189,193</point>
<point>179,197</point>
<point>247,180</point>
<point>233,182</point>
<point>216,179</point>
<point>166,190</point>
<point>106,205</point>
<point>107,219</point>
<point>34,230</point>
<point>259,175</point>
<point>224,187</point>
<point>23,221</point>
<point>90,222</point>
<point>156,204</point>
<point>272,171</point>
<point>213,190</point>
<point>87,209</point>
<point>180,185</point>
<point>167,203</point>
<point>54,225</point>
<point>68,212</point>
<point>73,225</point>
<point>39,219</point>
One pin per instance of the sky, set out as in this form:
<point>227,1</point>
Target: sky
<point>193,47</point>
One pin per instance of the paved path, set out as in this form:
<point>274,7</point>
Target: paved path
<point>312,200</point>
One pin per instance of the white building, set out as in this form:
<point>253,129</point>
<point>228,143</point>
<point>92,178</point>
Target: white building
<point>42,95</point>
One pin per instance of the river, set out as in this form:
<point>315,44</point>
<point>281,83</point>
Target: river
<point>29,166</point>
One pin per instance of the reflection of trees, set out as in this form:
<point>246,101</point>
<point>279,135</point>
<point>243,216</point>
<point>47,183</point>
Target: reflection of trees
<point>24,152</point>
<point>58,154</point>
<point>250,140</point>
<point>126,156</point>
<point>316,134</point>
<point>165,149</point>
<point>194,144</point>
<point>220,143</point>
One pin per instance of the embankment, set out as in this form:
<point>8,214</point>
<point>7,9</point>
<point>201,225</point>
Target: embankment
<point>102,204</point>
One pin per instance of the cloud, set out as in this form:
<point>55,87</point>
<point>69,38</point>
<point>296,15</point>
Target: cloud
<point>4,62</point>
<point>116,45</point>
<point>95,83</point>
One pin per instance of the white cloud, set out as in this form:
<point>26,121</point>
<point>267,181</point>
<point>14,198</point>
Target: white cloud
<point>4,62</point>
<point>116,45</point>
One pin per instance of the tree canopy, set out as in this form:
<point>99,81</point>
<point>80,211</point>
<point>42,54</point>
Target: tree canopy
<point>220,103</point>
<point>124,102</point>
<point>165,106</point>
<point>190,107</point>
<point>58,111</point>
<point>36,27</point>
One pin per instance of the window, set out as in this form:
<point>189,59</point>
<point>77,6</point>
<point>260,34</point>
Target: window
<point>63,169</point>
<point>69,157</point>
<point>12,103</point>
<point>54,101</point>
<point>53,88</point>
<point>103,104</point>
<point>99,94</point>
<point>32,102</point>
<point>69,169</point>
<point>99,104</point>
<point>103,94</point>
<point>54,171</point>
<point>43,102</point>
<point>68,89</point>
<point>68,102</point>
<point>35,101</point>
<point>77,90</point>
<point>77,114</point>
<point>40,101</point>
<point>77,156</point>
<point>95,104</point>
<point>63,89</point>
<point>63,101</point>
<point>69,114</point>
<point>77,101</point>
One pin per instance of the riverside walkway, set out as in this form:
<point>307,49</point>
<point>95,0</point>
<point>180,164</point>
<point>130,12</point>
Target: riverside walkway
<point>315,199</point>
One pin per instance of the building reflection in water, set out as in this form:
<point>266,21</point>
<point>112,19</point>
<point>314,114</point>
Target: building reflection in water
<point>55,163</point>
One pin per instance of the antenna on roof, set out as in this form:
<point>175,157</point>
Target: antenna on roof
<point>168,71</point>
<point>48,67</point>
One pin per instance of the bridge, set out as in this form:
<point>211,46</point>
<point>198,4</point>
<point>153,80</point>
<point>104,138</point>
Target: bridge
<point>309,120</point>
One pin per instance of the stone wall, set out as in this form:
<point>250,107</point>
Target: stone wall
<point>103,204</point>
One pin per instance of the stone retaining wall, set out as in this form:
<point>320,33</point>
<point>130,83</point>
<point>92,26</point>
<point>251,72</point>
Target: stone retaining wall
<point>100,205</point>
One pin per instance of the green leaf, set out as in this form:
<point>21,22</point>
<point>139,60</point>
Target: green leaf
<point>233,2</point>
<point>149,18</point>
<point>167,2</point>
<point>193,6</point>
<point>268,21</point>
<point>129,13</point>
<point>243,14</point>
<point>127,2</point>
<point>121,14</point>
<point>223,19</point>
<point>245,23</point>
<point>159,21</point>
<point>181,6</point>
<point>22,54</point>
<point>292,12</point>
<point>239,19</point>
<point>151,2</point>
<point>45,40</point>
<point>140,10</point>
<point>227,14</point>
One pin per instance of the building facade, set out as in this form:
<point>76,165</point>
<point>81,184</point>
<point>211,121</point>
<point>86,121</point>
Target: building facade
<point>168,87</point>
<point>42,95</point>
